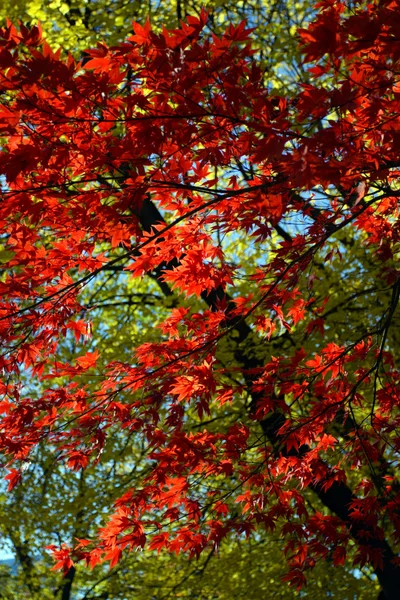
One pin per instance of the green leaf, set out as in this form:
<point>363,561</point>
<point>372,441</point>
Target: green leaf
<point>6,255</point>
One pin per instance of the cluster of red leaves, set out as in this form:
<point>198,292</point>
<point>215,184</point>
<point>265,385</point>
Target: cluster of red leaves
<point>85,147</point>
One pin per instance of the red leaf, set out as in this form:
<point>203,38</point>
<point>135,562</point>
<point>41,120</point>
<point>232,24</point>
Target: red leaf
<point>89,360</point>
<point>14,478</point>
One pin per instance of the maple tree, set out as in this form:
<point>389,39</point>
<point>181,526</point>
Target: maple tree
<point>168,159</point>
<point>242,568</point>
<point>76,24</point>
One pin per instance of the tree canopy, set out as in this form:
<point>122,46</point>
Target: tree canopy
<point>75,25</point>
<point>199,305</point>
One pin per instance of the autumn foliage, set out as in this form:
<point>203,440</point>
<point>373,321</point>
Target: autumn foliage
<point>143,160</point>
